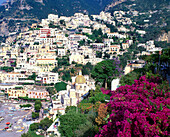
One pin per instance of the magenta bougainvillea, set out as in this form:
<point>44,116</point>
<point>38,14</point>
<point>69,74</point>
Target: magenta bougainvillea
<point>140,110</point>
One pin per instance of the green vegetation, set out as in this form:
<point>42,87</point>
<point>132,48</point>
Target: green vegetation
<point>156,11</point>
<point>26,135</point>
<point>43,125</point>
<point>86,69</point>
<point>162,44</point>
<point>82,42</point>
<point>7,69</point>
<point>61,7</point>
<point>86,119</point>
<point>92,112</point>
<point>35,115</point>
<point>37,105</point>
<point>151,67</point>
<point>112,28</point>
<point>33,134</point>
<point>32,77</point>
<point>66,75</point>
<point>105,71</point>
<point>70,122</point>
<point>51,90</point>
<point>64,61</point>
<point>60,86</point>
<point>128,79</point>
<point>98,54</point>
<point>97,36</point>
<point>26,105</point>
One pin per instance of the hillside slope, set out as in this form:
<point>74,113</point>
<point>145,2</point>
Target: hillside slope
<point>41,8</point>
<point>153,16</point>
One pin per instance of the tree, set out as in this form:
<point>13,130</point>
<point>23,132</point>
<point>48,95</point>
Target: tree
<point>45,123</point>
<point>72,70</point>
<point>32,77</point>
<point>112,28</point>
<point>70,108</point>
<point>60,86</point>
<point>62,22</point>
<point>97,90</point>
<point>63,62</point>
<point>82,42</point>
<point>35,115</point>
<point>34,126</point>
<point>87,129</point>
<point>105,71</point>
<point>98,54</point>
<point>7,69</point>
<point>99,97</point>
<point>99,40</point>
<point>51,90</point>
<point>26,135</point>
<point>102,113</point>
<point>70,122</point>
<point>66,76</point>
<point>86,70</point>
<point>128,79</point>
<point>106,55</point>
<point>38,102</point>
<point>37,107</point>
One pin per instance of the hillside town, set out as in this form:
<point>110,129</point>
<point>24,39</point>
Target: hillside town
<point>50,62</point>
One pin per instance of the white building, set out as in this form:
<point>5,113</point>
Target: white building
<point>47,77</point>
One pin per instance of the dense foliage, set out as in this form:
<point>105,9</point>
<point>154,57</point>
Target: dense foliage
<point>7,69</point>
<point>60,86</point>
<point>44,124</point>
<point>105,71</point>
<point>26,105</point>
<point>69,122</point>
<point>138,110</point>
<point>60,7</point>
<point>26,135</point>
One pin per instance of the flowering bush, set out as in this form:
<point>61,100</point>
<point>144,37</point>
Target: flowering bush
<point>138,110</point>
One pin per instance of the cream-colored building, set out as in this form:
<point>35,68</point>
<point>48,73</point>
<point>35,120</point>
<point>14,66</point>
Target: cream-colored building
<point>17,92</point>
<point>61,52</point>
<point>76,57</point>
<point>133,64</point>
<point>46,64</point>
<point>125,45</point>
<point>114,49</point>
<point>38,94</point>
<point>12,77</point>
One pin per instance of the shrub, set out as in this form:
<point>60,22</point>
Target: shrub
<point>138,110</point>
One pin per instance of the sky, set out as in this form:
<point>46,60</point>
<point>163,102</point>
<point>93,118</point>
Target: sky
<point>1,1</point>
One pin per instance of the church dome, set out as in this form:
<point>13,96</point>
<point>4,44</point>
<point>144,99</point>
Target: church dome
<point>80,79</point>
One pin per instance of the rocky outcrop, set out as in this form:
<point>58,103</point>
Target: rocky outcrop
<point>114,4</point>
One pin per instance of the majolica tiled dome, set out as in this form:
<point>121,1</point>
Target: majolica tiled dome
<point>80,79</point>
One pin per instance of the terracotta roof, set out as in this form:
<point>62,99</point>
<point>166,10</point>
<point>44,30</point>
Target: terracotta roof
<point>45,59</point>
<point>114,46</point>
<point>50,52</point>
<point>13,73</point>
